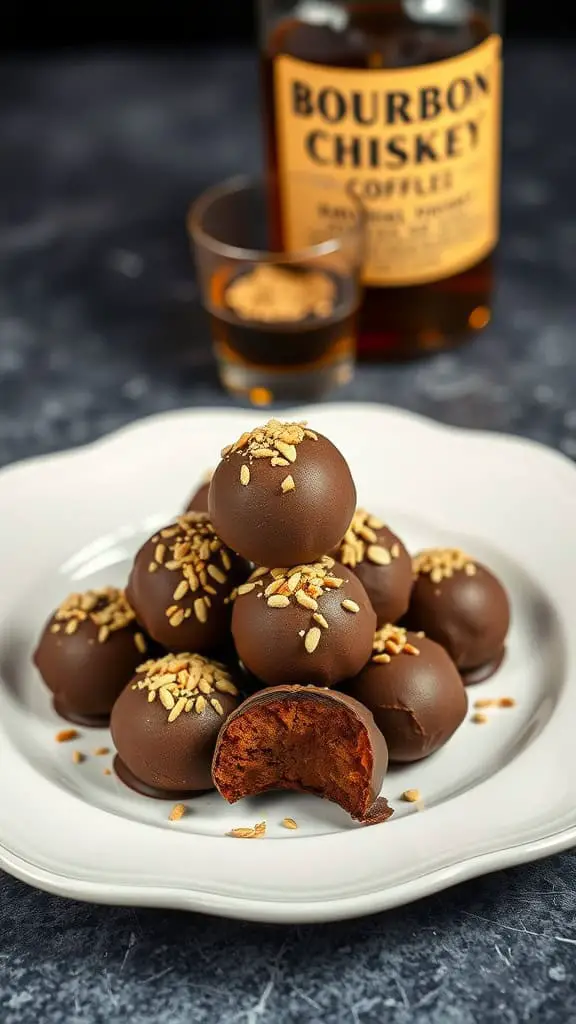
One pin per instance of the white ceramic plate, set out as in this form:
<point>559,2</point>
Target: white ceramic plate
<point>496,795</point>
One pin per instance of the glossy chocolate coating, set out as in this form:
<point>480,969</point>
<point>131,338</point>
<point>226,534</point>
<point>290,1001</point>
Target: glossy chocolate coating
<point>152,594</point>
<point>85,676</point>
<point>418,701</point>
<point>199,500</point>
<point>296,757</point>
<point>468,615</point>
<point>165,759</point>
<point>270,641</point>
<point>388,586</point>
<point>272,528</point>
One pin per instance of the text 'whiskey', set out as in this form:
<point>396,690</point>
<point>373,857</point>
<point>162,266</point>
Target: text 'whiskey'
<point>400,103</point>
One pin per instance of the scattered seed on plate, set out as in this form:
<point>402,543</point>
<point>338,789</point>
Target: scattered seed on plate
<point>65,735</point>
<point>177,812</point>
<point>411,796</point>
<point>257,832</point>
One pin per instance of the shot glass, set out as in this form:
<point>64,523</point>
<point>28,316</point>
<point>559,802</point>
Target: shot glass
<point>283,312</point>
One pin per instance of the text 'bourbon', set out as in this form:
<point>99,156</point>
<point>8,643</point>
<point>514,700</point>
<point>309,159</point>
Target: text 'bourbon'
<point>400,103</point>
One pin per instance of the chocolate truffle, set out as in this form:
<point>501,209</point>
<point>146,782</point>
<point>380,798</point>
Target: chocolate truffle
<point>459,603</point>
<point>309,624</point>
<point>87,653</point>
<point>282,494</point>
<point>307,739</point>
<point>181,582</point>
<point>414,690</point>
<point>165,723</point>
<point>199,500</point>
<point>381,563</point>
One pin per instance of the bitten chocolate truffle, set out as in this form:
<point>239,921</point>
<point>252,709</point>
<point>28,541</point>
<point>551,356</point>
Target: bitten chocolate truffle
<point>461,605</point>
<point>281,495</point>
<point>307,739</point>
<point>414,690</point>
<point>309,624</point>
<point>181,582</point>
<point>87,653</point>
<point>199,500</point>
<point>165,723</point>
<point>381,563</point>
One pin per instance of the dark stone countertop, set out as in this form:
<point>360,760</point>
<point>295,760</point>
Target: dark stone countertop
<point>98,326</point>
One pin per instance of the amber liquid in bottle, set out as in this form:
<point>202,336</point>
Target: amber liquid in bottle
<point>411,320</point>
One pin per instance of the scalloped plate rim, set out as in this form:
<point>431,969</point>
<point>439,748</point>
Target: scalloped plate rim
<point>291,911</point>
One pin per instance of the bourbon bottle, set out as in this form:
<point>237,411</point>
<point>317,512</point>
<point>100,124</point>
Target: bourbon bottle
<point>400,102</point>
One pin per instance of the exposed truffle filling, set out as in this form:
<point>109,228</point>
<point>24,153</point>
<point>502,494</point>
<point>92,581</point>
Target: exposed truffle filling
<point>291,745</point>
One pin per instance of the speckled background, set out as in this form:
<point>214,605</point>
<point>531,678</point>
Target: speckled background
<point>99,325</point>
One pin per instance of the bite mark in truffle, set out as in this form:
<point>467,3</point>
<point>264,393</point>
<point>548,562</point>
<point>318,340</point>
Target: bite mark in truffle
<point>308,739</point>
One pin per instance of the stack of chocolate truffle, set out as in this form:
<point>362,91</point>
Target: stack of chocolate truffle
<point>348,652</point>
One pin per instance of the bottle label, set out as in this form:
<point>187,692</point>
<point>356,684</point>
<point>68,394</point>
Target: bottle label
<point>419,147</point>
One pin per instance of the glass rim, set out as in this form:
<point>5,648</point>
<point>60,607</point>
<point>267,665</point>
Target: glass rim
<point>238,183</point>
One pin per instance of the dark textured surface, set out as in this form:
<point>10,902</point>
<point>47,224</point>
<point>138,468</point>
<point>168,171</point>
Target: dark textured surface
<point>98,326</point>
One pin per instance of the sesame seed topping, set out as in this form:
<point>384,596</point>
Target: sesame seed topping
<point>140,643</point>
<point>184,681</point>
<point>441,563</point>
<point>351,606</point>
<point>304,585</point>
<point>106,608</point>
<point>360,542</point>
<point>312,639</point>
<point>196,554</point>
<point>391,640</point>
<point>378,555</point>
<point>287,450</point>
<point>275,441</point>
